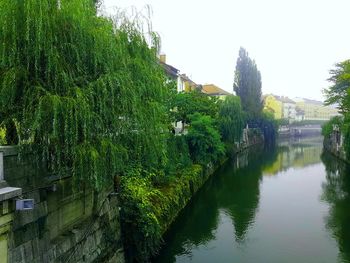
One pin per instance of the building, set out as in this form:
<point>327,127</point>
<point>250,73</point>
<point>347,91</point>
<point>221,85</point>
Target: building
<point>183,82</point>
<point>314,110</point>
<point>288,108</point>
<point>187,84</point>
<point>172,73</point>
<point>215,91</point>
<point>271,104</point>
<point>282,107</point>
<point>300,114</point>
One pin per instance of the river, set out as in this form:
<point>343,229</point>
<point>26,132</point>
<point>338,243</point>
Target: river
<point>284,204</point>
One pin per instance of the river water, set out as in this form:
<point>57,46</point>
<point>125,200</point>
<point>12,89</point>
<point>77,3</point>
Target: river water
<point>288,203</point>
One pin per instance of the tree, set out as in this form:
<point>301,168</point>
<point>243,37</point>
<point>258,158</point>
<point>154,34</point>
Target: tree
<point>188,103</point>
<point>204,140</point>
<point>231,119</point>
<point>339,92</point>
<point>247,84</point>
<point>78,92</point>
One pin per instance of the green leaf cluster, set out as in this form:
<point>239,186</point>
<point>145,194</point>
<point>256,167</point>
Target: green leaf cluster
<point>204,140</point>
<point>339,94</point>
<point>231,119</point>
<point>84,95</point>
<point>187,103</point>
<point>327,128</point>
<point>247,85</point>
<point>148,209</point>
<point>2,136</point>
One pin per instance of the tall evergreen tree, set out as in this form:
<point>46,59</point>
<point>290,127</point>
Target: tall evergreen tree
<point>247,84</point>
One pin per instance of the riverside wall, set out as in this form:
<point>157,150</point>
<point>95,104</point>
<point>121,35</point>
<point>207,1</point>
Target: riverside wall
<point>65,225</point>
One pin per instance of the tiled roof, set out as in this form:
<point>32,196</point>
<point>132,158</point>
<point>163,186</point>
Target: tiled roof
<point>211,89</point>
<point>170,70</point>
<point>284,99</point>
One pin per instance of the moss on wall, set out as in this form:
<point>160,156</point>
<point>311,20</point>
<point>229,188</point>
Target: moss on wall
<point>148,210</point>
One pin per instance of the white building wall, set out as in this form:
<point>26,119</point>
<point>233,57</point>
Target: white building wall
<point>289,111</point>
<point>180,84</point>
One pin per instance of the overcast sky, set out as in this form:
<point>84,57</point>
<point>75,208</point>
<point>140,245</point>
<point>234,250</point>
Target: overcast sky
<point>294,43</point>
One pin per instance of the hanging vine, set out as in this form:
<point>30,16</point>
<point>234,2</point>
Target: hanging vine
<point>86,96</point>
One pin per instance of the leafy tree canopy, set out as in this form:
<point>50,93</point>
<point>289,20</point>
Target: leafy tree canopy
<point>81,93</point>
<point>247,84</point>
<point>231,119</point>
<point>339,92</point>
<point>187,103</point>
<point>204,140</point>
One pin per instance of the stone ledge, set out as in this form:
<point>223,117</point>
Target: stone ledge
<point>9,150</point>
<point>7,193</point>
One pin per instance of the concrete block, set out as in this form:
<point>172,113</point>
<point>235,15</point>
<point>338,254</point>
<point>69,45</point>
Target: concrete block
<point>26,233</point>
<point>17,255</point>
<point>6,219</point>
<point>3,248</point>
<point>5,207</point>
<point>9,150</point>
<point>7,193</point>
<point>29,216</point>
<point>28,251</point>
<point>4,229</point>
<point>33,195</point>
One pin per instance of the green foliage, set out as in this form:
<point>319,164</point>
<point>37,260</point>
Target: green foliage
<point>2,136</point>
<point>85,96</point>
<point>204,140</point>
<point>327,128</point>
<point>267,125</point>
<point>178,154</point>
<point>142,231</point>
<point>188,103</point>
<point>345,130</point>
<point>247,84</point>
<point>147,211</point>
<point>339,92</point>
<point>231,119</point>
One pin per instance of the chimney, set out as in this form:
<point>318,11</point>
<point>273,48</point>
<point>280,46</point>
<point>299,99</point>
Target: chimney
<point>162,58</point>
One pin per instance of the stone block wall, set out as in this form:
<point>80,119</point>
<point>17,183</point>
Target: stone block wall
<point>334,144</point>
<point>65,225</point>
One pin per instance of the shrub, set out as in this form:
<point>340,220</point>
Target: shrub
<point>147,210</point>
<point>178,154</point>
<point>204,140</point>
<point>327,128</point>
<point>2,136</point>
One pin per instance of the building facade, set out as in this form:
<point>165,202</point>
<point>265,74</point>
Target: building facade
<point>315,110</point>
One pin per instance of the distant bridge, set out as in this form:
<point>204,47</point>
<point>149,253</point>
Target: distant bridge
<point>300,131</point>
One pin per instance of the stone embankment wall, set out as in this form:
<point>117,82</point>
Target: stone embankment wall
<point>334,144</point>
<point>65,225</point>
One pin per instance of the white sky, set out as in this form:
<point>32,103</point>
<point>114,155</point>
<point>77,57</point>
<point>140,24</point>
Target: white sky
<point>294,42</point>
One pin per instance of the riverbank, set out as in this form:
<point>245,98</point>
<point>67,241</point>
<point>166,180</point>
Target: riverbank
<point>333,143</point>
<point>63,224</point>
<point>149,209</point>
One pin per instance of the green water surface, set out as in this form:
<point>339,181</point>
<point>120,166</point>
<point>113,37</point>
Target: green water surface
<point>288,203</point>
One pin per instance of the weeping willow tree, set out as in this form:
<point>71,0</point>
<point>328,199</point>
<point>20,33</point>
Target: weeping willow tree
<point>83,95</point>
<point>231,119</point>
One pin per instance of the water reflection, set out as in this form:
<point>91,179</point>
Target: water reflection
<point>234,191</point>
<point>336,191</point>
<point>297,154</point>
